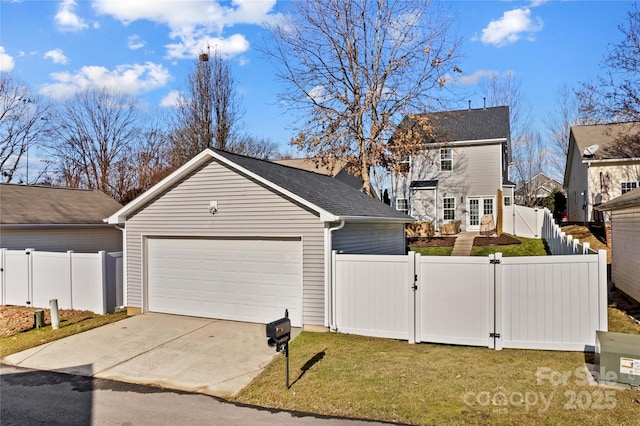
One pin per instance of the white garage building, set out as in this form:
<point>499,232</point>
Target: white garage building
<point>232,237</point>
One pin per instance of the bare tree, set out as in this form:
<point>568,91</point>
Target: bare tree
<point>355,69</point>
<point>95,132</point>
<point>615,97</point>
<point>23,125</point>
<point>558,123</point>
<point>529,156</point>
<point>208,114</point>
<point>254,147</point>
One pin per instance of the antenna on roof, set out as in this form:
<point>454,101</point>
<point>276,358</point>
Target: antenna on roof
<point>469,104</point>
<point>485,102</point>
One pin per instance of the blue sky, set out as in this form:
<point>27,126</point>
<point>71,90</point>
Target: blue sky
<point>147,48</point>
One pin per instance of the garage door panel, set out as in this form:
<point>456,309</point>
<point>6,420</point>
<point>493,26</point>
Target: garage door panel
<point>244,280</point>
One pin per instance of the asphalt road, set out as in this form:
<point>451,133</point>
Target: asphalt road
<point>32,397</point>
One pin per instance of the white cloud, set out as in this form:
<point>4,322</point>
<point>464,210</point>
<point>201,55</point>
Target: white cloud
<point>509,29</point>
<point>134,42</point>
<point>66,18</point>
<point>128,78</point>
<point>190,46</point>
<point>193,24</point>
<point>57,56</point>
<point>171,99</point>
<point>6,61</point>
<point>473,79</point>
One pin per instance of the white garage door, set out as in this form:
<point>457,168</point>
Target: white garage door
<point>251,280</point>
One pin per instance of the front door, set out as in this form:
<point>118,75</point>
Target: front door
<point>477,207</point>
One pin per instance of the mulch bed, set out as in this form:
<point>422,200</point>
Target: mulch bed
<point>15,319</point>
<point>502,240</point>
<point>431,241</point>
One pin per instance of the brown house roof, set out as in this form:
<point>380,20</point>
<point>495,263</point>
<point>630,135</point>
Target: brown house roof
<point>31,204</point>
<point>615,141</point>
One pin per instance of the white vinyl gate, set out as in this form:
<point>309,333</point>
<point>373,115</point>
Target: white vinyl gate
<point>542,302</point>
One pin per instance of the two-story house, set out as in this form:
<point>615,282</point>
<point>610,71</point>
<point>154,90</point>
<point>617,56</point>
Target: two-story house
<point>462,171</point>
<point>603,162</point>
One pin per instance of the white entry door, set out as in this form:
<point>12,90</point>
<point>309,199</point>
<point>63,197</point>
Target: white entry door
<point>477,207</point>
<point>252,280</point>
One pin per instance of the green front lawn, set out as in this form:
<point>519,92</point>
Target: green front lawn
<point>433,251</point>
<point>390,380</point>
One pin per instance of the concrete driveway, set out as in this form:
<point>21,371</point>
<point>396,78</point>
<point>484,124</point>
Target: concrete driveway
<point>213,357</point>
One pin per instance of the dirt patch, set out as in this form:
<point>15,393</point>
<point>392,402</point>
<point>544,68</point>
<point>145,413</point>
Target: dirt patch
<point>502,240</point>
<point>431,241</point>
<point>16,319</point>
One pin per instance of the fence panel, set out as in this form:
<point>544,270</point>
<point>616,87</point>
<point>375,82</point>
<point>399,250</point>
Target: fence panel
<point>551,302</point>
<point>88,282</point>
<point>51,274</point>
<point>527,222</point>
<point>371,295</point>
<point>17,272</point>
<point>454,299</point>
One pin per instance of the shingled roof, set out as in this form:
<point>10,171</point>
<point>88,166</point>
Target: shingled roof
<point>33,204</point>
<point>614,140</point>
<point>331,198</point>
<point>464,125</point>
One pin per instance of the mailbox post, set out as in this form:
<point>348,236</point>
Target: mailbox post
<point>278,335</point>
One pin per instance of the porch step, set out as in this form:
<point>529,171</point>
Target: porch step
<point>463,244</point>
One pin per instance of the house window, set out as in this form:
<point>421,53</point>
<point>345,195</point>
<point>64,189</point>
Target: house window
<point>488,205</point>
<point>507,201</point>
<point>402,204</point>
<point>449,208</point>
<point>628,186</point>
<point>446,159</point>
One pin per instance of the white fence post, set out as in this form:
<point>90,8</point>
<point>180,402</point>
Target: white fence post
<point>413,259</point>
<point>497,302</point>
<point>70,260</point>
<point>103,279</point>
<point>28,252</point>
<point>602,290</point>
<point>3,290</point>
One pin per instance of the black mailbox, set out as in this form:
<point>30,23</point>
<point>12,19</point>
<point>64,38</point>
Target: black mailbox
<point>279,332</point>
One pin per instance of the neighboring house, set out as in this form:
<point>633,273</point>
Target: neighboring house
<point>462,174</point>
<point>625,237</point>
<point>536,189</point>
<point>339,171</point>
<point>232,237</point>
<point>57,219</point>
<point>603,162</point>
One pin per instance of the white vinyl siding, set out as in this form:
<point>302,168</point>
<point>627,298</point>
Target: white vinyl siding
<point>370,238</point>
<point>625,246</point>
<point>62,239</point>
<point>245,209</point>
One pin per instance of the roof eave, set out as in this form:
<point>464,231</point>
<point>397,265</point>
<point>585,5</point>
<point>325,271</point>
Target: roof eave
<point>373,219</point>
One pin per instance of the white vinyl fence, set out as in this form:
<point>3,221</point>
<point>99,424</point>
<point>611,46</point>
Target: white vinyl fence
<point>544,302</point>
<point>524,221</point>
<point>84,281</point>
<point>559,243</point>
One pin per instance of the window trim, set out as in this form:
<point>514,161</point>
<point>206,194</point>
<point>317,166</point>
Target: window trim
<point>630,186</point>
<point>406,203</point>
<point>446,209</point>
<point>446,155</point>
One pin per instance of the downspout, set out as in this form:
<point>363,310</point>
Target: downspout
<point>124,268</point>
<point>329,285</point>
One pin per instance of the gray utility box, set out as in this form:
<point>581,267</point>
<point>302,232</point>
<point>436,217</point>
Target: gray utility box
<point>618,358</point>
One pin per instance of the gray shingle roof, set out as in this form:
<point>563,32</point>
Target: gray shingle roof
<point>323,191</point>
<point>31,204</point>
<point>465,125</point>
